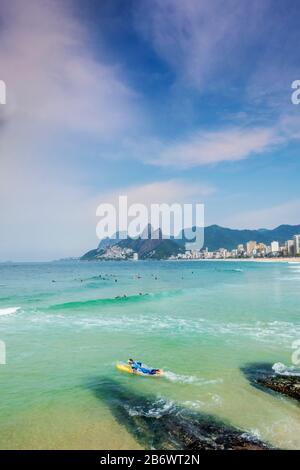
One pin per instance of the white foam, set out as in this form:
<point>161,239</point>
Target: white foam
<point>8,311</point>
<point>158,409</point>
<point>281,369</point>
<point>213,401</point>
<point>188,379</point>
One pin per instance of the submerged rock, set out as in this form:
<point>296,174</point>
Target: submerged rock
<point>162,424</point>
<point>264,376</point>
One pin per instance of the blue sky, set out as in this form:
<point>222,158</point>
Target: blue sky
<point>163,100</point>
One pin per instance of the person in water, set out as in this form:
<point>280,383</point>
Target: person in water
<point>139,367</point>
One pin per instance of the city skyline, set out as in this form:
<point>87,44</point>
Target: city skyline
<point>156,244</point>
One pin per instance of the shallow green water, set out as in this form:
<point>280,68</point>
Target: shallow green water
<point>200,321</point>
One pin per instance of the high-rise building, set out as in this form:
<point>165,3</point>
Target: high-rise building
<point>297,245</point>
<point>262,248</point>
<point>290,247</point>
<point>250,247</point>
<point>274,247</point>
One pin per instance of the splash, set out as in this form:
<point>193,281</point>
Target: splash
<point>281,369</point>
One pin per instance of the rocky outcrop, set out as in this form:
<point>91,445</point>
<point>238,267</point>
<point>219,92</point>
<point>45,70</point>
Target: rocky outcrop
<point>160,424</point>
<point>264,376</point>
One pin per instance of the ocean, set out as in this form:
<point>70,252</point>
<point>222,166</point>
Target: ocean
<point>66,324</point>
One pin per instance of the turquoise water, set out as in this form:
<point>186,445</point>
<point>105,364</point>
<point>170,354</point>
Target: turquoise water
<point>68,323</point>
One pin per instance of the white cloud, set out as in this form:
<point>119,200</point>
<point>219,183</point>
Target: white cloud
<point>267,217</point>
<point>57,92</point>
<point>174,191</point>
<point>157,192</point>
<point>51,75</point>
<point>203,148</point>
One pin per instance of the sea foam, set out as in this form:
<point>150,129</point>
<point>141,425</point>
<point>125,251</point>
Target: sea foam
<point>188,379</point>
<point>8,311</point>
<point>282,369</point>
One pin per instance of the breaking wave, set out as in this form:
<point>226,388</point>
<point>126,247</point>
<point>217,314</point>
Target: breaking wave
<point>113,300</point>
<point>8,311</point>
<point>157,409</point>
<point>282,369</point>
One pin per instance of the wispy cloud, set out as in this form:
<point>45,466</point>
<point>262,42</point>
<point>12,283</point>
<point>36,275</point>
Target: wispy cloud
<point>157,192</point>
<point>227,144</point>
<point>173,191</point>
<point>266,217</point>
<point>205,148</point>
<point>229,48</point>
<point>199,39</point>
<point>57,93</point>
<point>52,76</point>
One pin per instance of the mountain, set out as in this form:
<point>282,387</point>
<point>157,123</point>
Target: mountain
<point>220,237</point>
<point>215,237</point>
<point>107,242</point>
<point>155,247</point>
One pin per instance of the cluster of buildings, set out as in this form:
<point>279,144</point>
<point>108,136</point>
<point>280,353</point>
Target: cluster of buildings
<point>251,249</point>
<point>116,252</point>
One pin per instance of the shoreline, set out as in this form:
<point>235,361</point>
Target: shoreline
<point>248,260</point>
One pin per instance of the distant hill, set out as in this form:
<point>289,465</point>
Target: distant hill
<point>153,249</point>
<point>147,248</point>
<point>215,237</point>
<point>220,237</point>
<point>107,242</point>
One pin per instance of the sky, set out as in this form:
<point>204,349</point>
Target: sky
<point>161,100</point>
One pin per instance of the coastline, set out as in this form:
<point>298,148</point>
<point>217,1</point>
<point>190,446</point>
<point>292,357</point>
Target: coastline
<point>252,260</point>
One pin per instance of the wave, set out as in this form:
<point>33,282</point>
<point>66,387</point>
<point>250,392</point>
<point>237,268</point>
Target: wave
<point>189,379</point>
<point>265,332</point>
<point>282,369</point>
<point>212,401</point>
<point>232,270</point>
<point>112,300</point>
<point>157,409</point>
<point>99,277</point>
<point>8,311</point>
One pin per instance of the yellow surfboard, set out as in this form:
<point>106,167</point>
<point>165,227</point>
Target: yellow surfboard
<point>127,368</point>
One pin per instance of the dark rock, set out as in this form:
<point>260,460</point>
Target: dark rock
<point>159,424</point>
<point>264,377</point>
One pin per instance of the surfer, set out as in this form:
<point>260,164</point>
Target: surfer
<point>139,367</point>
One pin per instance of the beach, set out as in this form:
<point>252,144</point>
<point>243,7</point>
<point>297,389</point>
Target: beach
<point>66,324</point>
<point>255,260</point>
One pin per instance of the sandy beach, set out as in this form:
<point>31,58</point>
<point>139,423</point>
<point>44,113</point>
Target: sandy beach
<point>253,260</point>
